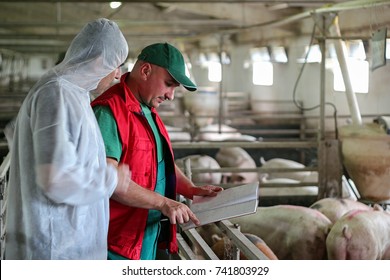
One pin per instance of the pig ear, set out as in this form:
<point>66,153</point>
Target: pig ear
<point>225,177</point>
<point>239,178</point>
<point>215,237</point>
<point>347,232</point>
<point>263,177</point>
<point>377,207</point>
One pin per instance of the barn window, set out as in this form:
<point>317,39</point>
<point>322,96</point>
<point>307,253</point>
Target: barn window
<point>358,68</point>
<point>263,73</point>
<point>263,70</point>
<point>215,71</point>
<point>214,66</point>
<point>358,72</point>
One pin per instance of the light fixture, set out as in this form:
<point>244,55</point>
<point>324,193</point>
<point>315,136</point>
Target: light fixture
<point>213,56</point>
<point>312,54</point>
<point>225,58</point>
<point>387,48</point>
<point>202,59</point>
<point>260,54</point>
<point>356,49</point>
<point>279,54</point>
<point>115,5</point>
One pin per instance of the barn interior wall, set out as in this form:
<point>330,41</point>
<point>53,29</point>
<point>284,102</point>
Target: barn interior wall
<point>39,64</point>
<point>238,78</point>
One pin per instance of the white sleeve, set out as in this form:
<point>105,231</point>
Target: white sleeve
<point>69,152</point>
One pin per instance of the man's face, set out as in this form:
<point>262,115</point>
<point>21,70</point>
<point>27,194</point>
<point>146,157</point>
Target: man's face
<point>159,86</point>
<point>107,82</point>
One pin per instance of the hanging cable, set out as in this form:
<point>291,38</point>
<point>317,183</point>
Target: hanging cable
<point>299,106</point>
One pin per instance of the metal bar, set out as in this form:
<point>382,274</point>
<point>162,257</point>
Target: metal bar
<point>195,237</point>
<point>275,117</point>
<point>289,185</point>
<point>255,116</point>
<point>344,6</point>
<point>5,165</point>
<point>322,83</point>
<point>269,185</point>
<point>258,169</point>
<point>260,131</point>
<point>188,173</point>
<point>295,2</point>
<point>184,249</point>
<point>349,92</point>
<point>123,23</point>
<point>248,145</point>
<point>239,239</point>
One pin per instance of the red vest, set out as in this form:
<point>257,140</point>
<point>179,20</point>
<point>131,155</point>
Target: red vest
<point>127,224</point>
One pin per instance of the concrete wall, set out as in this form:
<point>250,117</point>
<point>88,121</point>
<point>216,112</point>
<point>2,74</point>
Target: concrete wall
<point>238,78</point>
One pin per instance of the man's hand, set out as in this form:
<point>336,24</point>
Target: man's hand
<point>207,190</point>
<point>177,212</point>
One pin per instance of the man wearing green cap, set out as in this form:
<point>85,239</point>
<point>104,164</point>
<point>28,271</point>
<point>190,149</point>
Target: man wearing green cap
<point>134,134</point>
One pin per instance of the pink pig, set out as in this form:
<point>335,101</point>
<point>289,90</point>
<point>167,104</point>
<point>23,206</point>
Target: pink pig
<point>360,235</point>
<point>292,232</point>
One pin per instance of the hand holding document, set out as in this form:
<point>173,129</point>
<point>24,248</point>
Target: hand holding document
<point>232,202</point>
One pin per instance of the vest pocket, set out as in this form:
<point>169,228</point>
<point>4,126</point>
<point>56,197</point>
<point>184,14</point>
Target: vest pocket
<point>141,158</point>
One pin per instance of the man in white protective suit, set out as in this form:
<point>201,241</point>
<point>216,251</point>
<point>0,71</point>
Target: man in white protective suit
<point>60,182</point>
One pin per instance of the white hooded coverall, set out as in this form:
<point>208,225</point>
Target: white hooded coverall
<point>60,183</point>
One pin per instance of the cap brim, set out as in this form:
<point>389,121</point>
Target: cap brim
<point>184,81</point>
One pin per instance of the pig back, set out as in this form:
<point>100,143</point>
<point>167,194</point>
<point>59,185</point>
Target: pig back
<point>360,235</point>
<point>292,232</point>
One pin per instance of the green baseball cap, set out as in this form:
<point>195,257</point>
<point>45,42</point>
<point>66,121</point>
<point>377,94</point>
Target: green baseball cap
<point>170,58</point>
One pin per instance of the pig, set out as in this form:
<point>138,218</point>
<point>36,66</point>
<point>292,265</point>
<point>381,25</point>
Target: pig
<point>9,132</point>
<point>211,133</point>
<point>292,232</point>
<point>177,134</point>
<point>335,208</point>
<point>360,235</point>
<point>202,161</point>
<point>284,190</point>
<point>284,163</point>
<point>210,233</point>
<point>239,158</point>
<point>223,248</point>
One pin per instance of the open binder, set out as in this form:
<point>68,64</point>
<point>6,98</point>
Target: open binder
<point>233,202</point>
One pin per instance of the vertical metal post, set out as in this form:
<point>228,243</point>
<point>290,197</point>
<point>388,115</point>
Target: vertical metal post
<point>321,133</point>
<point>329,162</point>
<point>221,103</point>
<point>188,173</point>
<point>322,44</point>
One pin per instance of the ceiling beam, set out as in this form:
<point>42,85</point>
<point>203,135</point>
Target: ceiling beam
<point>125,23</point>
<point>272,2</point>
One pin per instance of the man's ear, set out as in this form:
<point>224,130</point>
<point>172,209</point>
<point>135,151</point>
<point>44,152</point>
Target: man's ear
<point>146,69</point>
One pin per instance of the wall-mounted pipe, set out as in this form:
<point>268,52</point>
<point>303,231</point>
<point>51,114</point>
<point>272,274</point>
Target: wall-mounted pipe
<point>338,7</point>
<point>341,56</point>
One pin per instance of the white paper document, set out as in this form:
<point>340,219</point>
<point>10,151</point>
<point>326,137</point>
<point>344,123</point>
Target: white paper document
<point>232,202</point>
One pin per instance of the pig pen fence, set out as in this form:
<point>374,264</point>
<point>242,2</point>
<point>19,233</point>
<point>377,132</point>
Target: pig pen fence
<point>190,238</point>
<point>4,167</point>
<point>305,199</point>
<point>237,241</point>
